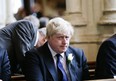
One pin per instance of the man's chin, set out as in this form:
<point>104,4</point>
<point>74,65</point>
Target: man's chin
<point>64,50</point>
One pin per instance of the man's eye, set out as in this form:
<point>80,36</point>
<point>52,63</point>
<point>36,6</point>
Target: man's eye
<point>66,37</point>
<point>62,37</point>
<point>59,37</point>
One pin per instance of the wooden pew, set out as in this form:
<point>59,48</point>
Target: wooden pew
<point>92,69</point>
<point>112,79</point>
<point>18,78</point>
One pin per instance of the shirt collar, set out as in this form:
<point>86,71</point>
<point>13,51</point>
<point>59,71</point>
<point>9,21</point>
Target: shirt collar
<point>53,52</point>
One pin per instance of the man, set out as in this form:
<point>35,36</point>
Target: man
<point>106,59</point>
<point>17,38</point>
<point>41,37</point>
<point>42,64</point>
<point>4,66</point>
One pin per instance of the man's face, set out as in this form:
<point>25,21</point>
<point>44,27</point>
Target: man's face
<point>59,42</point>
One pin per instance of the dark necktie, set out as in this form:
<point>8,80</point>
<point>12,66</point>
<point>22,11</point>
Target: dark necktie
<point>60,68</point>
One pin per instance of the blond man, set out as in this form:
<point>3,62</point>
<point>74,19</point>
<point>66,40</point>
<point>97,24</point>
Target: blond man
<point>56,60</point>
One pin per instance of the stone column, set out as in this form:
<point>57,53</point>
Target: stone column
<point>73,12</point>
<point>49,9</point>
<point>9,12</point>
<point>109,12</point>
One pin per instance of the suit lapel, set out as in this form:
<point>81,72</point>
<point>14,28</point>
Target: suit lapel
<point>49,62</point>
<point>72,66</point>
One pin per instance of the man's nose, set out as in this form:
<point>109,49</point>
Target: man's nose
<point>65,40</point>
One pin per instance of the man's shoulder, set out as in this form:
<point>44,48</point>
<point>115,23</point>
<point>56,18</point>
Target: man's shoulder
<point>111,40</point>
<point>75,49</point>
<point>33,50</point>
<point>78,53</point>
<point>23,21</point>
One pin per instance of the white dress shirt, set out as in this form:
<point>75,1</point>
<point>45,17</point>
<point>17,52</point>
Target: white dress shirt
<point>63,60</point>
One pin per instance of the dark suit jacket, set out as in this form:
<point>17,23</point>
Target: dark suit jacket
<point>17,38</point>
<point>106,59</point>
<point>4,66</point>
<point>39,65</point>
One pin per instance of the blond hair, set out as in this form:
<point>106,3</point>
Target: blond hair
<point>59,25</point>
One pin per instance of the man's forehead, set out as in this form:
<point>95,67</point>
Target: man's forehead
<point>62,34</point>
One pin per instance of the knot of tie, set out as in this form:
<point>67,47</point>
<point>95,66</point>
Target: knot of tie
<point>58,57</point>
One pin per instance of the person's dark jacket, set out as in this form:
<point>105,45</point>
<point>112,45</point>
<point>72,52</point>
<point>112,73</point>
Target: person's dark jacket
<point>106,59</point>
<point>17,38</point>
<point>5,72</point>
<point>39,65</point>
